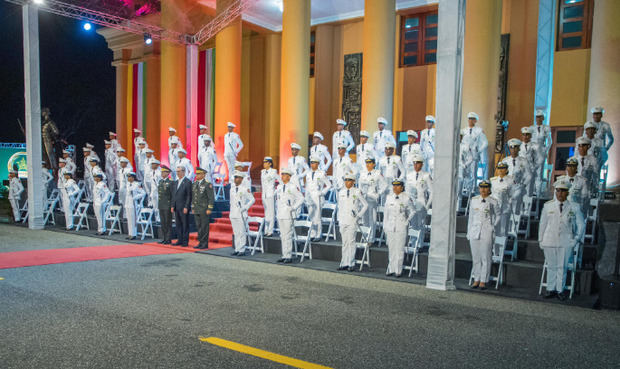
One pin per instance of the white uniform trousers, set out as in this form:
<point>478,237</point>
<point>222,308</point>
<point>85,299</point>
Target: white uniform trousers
<point>68,209</point>
<point>89,184</point>
<point>396,250</point>
<point>100,215</point>
<point>557,262</point>
<point>269,204</point>
<point>15,206</point>
<point>370,218</point>
<point>154,202</point>
<point>240,233</point>
<point>481,252</point>
<point>131,214</point>
<point>468,176</point>
<point>314,201</point>
<point>504,220</point>
<point>347,233</point>
<point>230,159</point>
<point>286,237</point>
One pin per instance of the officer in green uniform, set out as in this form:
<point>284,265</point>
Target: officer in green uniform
<point>203,200</point>
<point>164,191</point>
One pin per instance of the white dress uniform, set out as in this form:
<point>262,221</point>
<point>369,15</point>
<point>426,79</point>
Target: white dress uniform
<point>70,165</point>
<point>588,168</point>
<point>146,168</point>
<point>300,168</point>
<point>114,144</point>
<point>351,209</point>
<point>529,151</point>
<point>139,160</point>
<point>342,138</point>
<point>189,168</point>
<point>134,195</point>
<point>422,184</point>
<point>597,149</point>
<point>174,138</point>
<point>427,145</point>
<point>541,135</point>
<point>241,199</point>
<point>372,185</point>
<point>520,170</point>
<point>15,194</point>
<point>201,144</point>
<point>232,146</point>
<point>60,184</point>
<point>122,182</point>
<point>317,186</point>
<point>398,212</point>
<point>407,153</point>
<point>503,188</point>
<point>579,192</point>
<point>155,177</point>
<point>474,146</point>
<point>391,168</point>
<point>89,182</point>
<point>483,218</point>
<point>101,196</point>
<point>380,138</point>
<point>71,190</point>
<point>173,159</point>
<point>561,228</point>
<point>603,132</point>
<point>111,166</point>
<point>207,160</point>
<point>322,152</point>
<point>363,152</point>
<point>268,178</point>
<point>342,166</point>
<point>288,200</point>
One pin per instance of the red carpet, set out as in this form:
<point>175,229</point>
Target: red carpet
<point>20,259</point>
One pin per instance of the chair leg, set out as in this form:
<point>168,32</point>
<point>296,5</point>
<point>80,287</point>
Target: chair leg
<point>542,278</point>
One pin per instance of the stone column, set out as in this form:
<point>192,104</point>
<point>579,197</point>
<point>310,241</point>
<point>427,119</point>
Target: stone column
<point>441,258</point>
<point>273,47</point>
<point>604,87</point>
<point>295,84</point>
<point>545,48</point>
<point>30,22</point>
<point>191,103</point>
<point>378,61</point>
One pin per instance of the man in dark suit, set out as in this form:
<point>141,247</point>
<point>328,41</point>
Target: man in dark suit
<point>181,205</point>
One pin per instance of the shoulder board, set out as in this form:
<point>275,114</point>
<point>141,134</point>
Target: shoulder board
<point>476,197</point>
<point>549,202</point>
<point>492,178</point>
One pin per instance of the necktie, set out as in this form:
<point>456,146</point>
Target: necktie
<point>483,200</point>
<point>514,162</point>
<point>470,131</point>
<point>538,129</point>
<point>389,160</point>
<point>347,193</point>
<point>396,197</point>
<point>501,179</point>
<point>237,189</point>
<point>284,188</point>
<point>362,148</point>
<point>582,162</point>
<point>369,174</point>
<point>380,134</point>
<point>313,176</point>
<point>561,206</point>
<point>525,147</point>
<point>409,147</point>
<point>339,134</point>
<point>571,180</point>
<point>416,175</point>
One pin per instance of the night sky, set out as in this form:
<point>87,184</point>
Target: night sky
<point>77,80</point>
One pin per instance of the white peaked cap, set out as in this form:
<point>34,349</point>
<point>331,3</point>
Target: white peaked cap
<point>171,129</point>
<point>389,145</point>
<point>90,146</point>
<point>135,130</point>
<point>473,115</point>
<point>230,125</point>
<point>85,148</point>
<point>589,125</point>
<point>364,134</point>
<point>597,109</point>
<point>514,142</point>
<point>341,146</point>
<point>92,158</point>
<point>539,113</point>
<point>155,162</point>
<point>295,146</point>
<point>382,120</point>
<point>349,176</point>
<point>238,164</point>
<point>120,149</point>
<point>111,133</point>
<point>182,150</point>
<point>562,184</point>
<point>526,130</point>
<point>583,141</point>
<point>124,160</point>
<point>286,171</point>
<point>202,126</point>
<point>149,151</point>
<point>207,138</point>
<point>65,152</point>
<point>181,167</point>
<point>413,133</point>
<point>319,135</point>
<point>141,142</point>
<point>238,173</point>
<point>61,160</point>
<point>430,118</point>
<point>418,158</point>
<point>341,121</point>
<point>315,158</point>
<point>106,142</point>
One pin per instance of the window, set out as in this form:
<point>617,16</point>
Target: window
<point>574,24</point>
<point>312,39</point>
<point>418,38</point>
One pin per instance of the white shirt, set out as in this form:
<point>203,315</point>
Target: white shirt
<point>560,226</point>
<point>392,168</point>
<point>342,137</point>
<point>473,143</point>
<point>207,160</point>
<point>268,178</point>
<point>321,151</point>
<point>189,169</point>
<point>372,184</point>
<point>427,142</point>
<point>363,151</point>
<point>502,190</point>
<point>483,214</point>
<point>241,199</point>
<point>398,212</point>
<point>604,132</point>
<point>380,138</point>
<point>342,166</point>
<point>232,144</point>
<point>422,182</point>
<point>407,153</point>
<point>134,194</point>
<point>298,165</point>
<point>15,188</point>
<point>317,181</point>
<point>288,200</point>
<point>100,193</point>
<point>541,134</point>
<point>351,206</point>
<point>519,169</point>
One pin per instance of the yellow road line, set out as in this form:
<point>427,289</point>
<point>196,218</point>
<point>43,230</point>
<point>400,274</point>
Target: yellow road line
<point>1,279</point>
<point>262,353</point>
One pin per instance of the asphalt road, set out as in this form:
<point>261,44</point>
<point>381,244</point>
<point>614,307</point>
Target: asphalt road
<point>149,312</point>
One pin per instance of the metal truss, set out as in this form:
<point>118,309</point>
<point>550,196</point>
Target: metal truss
<point>106,19</point>
<point>7,145</point>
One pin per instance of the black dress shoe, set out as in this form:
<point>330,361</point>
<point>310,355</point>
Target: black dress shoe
<point>167,243</point>
<point>133,238</point>
<point>287,261</point>
<point>184,245</point>
<point>551,294</point>
<point>562,296</point>
<point>281,260</point>
<point>234,253</point>
<point>162,242</point>
<point>482,288</point>
<point>397,275</point>
<point>241,253</point>
<point>473,286</point>
<point>389,274</point>
<point>351,269</point>
<point>178,243</point>
<point>197,247</point>
<point>342,268</point>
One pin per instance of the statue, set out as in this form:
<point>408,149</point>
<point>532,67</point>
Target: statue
<point>49,138</point>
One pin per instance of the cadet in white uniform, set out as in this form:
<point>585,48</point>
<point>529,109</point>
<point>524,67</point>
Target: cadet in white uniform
<point>207,157</point>
<point>172,137</point>
<point>140,158</point>
<point>288,200</point>
<point>201,140</point>
<point>60,184</point>
<point>154,176</point>
<point>268,178</point>
<point>342,137</point>
<point>474,146</point>
<point>561,229</point>
<point>89,183</point>
<point>298,165</point>
<point>134,195</point>
<point>503,187</point>
<point>597,146</point>
<point>101,197</point>
<point>381,138</point>
<point>364,150</point>
<point>372,185</point>
<point>342,165</point>
<point>319,150</point>
<point>603,129</point>
<point>137,137</point>
<point>148,180</point>
<point>529,151</point>
<point>390,165</point>
<point>398,212</point>
<point>184,162</point>
<point>317,186</point>
<point>541,135</point>
<point>427,144</point>
<point>483,218</point>
<point>173,154</point>
<point>71,191</point>
<point>587,164</point>
<point>232,146</point>
<point>123,171</point>
<point>579,192</point>
<point>247,180</point>
<point>351,209</point>
<point>520,170</point>
<point>70,164</point>
<point>15,194</point>
<point>47,177</point>
<point>241,199</point>
<point>409,150</point>
<point>421,183</point>
<point>111,165</point>
<point>113,141</point>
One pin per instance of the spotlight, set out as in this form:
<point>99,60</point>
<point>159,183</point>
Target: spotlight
<point>147,39</point>
<point>38,2</point>
<point>87,26</point>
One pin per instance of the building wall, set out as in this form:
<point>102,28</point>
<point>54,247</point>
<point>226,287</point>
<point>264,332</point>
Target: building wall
<point>571,76</point>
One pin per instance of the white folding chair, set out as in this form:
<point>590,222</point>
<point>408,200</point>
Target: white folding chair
<point>592,220</point>
<point>497,257</point>
<point>219,182</point>
<point>329,220</point>
<point>145,223</point>
<point>301,236</point>
<point>255,237</point>
<point>463,202</point>
<point>114,216</point>
<point>512,235</point>
<point>81,212</point>
<point>23,212</point>
<point>363,234</point>
<point>379,227</point>
<point>571,268</point>
<point>413,247</point>
<point>526,214</point>
<point>50,204</point>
